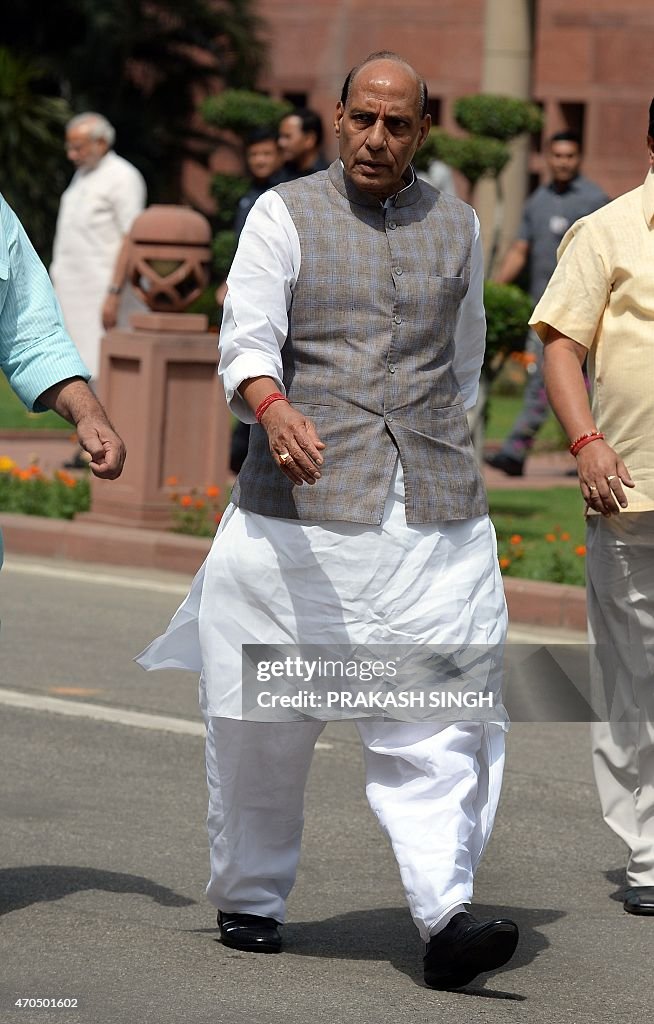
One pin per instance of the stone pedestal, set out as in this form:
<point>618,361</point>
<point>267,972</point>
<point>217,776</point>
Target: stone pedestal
<point>162,393</point>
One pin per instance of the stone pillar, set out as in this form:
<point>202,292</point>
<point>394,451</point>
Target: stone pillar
<point>508,41</point>
<point>158,380</point>
<point>164,395</point>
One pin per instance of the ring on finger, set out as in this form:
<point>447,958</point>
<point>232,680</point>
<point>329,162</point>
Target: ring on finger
<point>612,477</point>
<point>284,457</point>
<point>592,487</point>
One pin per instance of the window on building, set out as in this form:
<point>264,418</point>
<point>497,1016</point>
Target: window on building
<point>573,115</point>
<point>434,107</point>
<point>298,99</point>
<point>536,138</point>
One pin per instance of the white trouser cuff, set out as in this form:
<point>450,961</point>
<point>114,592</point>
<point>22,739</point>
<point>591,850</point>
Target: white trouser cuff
<point>444,920</point>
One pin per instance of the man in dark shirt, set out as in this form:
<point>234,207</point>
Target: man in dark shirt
<point>264,159</point>
<point>300,140</point>
<point>547,215</point>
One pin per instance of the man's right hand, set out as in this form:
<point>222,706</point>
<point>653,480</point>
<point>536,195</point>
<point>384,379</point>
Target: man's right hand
<point>294,443</point>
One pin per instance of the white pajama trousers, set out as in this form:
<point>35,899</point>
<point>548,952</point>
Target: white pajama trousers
<point>433,788</point>
<point>620,570</point>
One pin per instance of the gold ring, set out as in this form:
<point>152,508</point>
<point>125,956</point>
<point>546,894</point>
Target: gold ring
<point>612,477</point>
<point>284,457</point>
<point>592,487</point>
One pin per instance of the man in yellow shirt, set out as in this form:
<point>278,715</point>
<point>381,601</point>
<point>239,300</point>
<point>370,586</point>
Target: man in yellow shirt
<point>600,304</point>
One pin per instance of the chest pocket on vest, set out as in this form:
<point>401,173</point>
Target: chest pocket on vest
<point>444,296</point>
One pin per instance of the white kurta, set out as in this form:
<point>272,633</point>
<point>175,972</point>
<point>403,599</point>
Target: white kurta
<point>95,213</point>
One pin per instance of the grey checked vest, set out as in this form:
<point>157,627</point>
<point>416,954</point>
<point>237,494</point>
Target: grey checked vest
<point>369,356</point>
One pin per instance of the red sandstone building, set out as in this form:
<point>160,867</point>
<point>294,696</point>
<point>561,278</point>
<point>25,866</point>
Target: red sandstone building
<point>588,62</point>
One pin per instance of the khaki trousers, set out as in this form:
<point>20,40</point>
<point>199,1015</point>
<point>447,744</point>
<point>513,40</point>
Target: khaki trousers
<point>620,571</point>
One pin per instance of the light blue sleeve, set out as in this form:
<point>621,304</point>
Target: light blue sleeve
<point>35,349</point>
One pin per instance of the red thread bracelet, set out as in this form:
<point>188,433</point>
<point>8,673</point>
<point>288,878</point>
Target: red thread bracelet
<point>589,433</point>
<point>276,396</point>
<point>581,442</point>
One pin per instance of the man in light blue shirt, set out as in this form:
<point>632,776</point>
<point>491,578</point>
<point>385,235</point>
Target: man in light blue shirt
<point>40,361</point>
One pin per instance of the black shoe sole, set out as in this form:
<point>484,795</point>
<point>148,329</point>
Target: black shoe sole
<point>639,911</point>
<point>251,947</point>
<point>485,952</point>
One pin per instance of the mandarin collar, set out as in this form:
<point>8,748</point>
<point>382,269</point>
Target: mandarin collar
<point>405,197</point>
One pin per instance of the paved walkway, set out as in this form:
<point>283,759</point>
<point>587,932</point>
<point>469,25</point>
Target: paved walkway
<point>103,857</point>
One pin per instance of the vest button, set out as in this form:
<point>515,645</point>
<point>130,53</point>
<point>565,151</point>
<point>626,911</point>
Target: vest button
<point>391,225</point>
<point>397,271</point>
<point>389,419</point>
<point>397,319</point>
<point>391,367</point>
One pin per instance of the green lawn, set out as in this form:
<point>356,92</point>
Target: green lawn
<point>14,415</point>
<point>503,410</point>
<point>535,516</point>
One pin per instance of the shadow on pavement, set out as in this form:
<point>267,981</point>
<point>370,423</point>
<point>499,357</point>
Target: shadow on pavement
<point>616,876</point>
<point>40,883</point>
<point>389,934</point>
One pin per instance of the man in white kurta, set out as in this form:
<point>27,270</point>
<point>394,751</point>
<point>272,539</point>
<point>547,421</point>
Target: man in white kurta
<point>366,576</point>
<point>96,212</point>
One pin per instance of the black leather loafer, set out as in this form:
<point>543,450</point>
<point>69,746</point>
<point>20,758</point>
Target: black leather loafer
<point>639,900</point>
<point>467,947</point>
<point>250,933</point>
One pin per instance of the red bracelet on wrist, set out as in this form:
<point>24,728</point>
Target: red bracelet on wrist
<point>581,442</point>
<point>589,433</point>
<point>276,396</point>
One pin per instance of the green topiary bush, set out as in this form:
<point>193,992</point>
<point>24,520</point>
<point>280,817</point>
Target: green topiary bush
<point>473,155</point>
<point>239,111</point>
<point>227,189</point>
<point>501,117</point>
<point>508,309</point>
<point>224,250</point>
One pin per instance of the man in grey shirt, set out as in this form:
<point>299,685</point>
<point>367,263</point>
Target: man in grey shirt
<point>547,215</point>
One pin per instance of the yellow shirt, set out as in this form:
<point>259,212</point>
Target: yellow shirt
<point>602,296</point>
